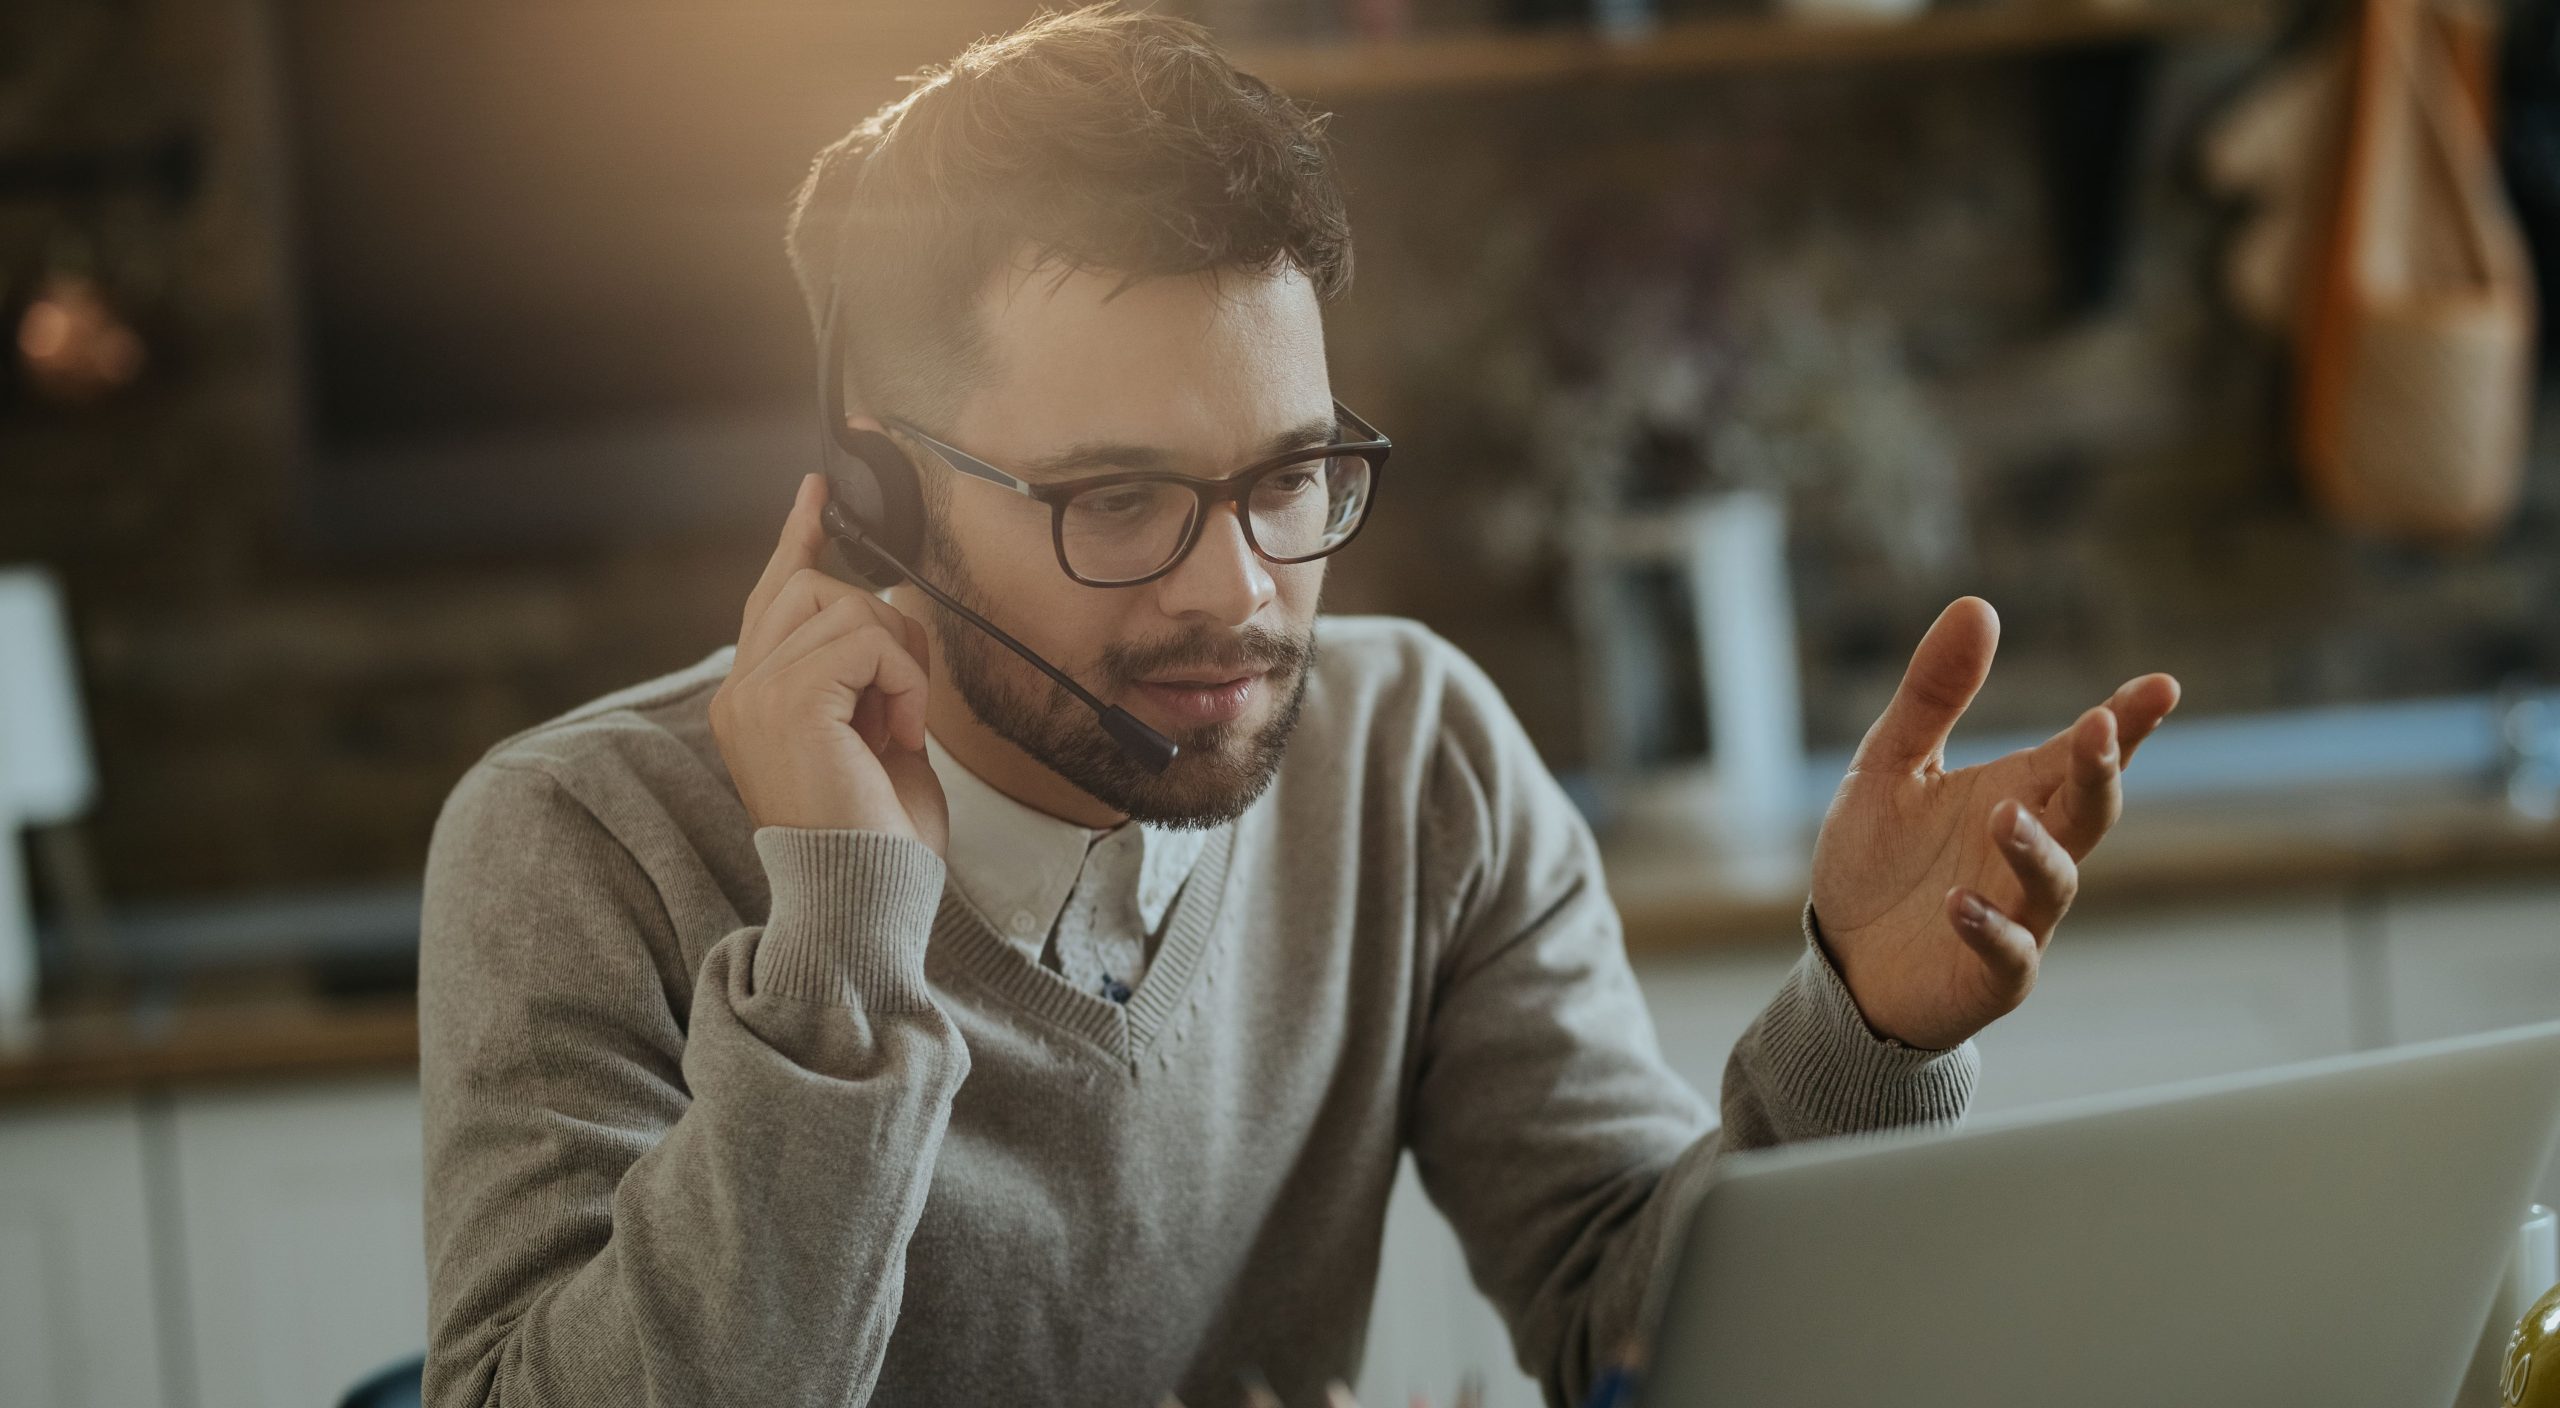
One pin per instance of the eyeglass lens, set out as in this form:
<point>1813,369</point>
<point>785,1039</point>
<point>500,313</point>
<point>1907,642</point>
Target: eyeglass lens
<point>1295,511</point>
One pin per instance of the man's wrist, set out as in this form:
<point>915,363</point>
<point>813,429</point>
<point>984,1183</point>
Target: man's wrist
<point>1822,1069</point>
<point>851,913</point>
<point>1830,961</point>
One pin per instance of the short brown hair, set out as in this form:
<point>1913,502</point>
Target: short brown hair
<point>1101,139</point>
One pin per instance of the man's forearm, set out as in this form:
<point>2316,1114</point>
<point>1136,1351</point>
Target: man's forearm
<point>625,1209</point>
<point>1810,1066</point>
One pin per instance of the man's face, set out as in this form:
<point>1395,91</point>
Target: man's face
<point>1191,374</point>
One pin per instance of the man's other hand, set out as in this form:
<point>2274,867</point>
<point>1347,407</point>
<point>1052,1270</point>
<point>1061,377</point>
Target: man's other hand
<point>1936,892</point>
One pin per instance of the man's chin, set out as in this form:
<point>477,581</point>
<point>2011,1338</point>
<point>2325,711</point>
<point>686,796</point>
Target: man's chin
<point>1224,765</point>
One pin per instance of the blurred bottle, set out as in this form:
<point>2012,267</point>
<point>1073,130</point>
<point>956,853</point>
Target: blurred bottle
<point>2532,1372</point>
<point>2519,1350</point>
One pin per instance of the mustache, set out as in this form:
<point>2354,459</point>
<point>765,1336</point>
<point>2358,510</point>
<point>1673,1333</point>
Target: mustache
<point>1206,654</point>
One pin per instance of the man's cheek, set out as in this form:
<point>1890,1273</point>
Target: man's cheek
<point>1300,588</point>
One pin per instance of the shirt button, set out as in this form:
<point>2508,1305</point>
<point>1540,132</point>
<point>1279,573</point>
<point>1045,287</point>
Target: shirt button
<point>1022,921</point>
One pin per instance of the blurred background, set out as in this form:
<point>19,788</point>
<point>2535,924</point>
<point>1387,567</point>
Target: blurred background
<point>385,377</point>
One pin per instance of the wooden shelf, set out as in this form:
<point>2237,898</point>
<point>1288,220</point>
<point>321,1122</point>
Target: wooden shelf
<point>1526,58</point>
<point>212,1039</point>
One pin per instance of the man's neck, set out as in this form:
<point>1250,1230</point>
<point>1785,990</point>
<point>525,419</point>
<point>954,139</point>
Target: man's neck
<point>1004,766</point>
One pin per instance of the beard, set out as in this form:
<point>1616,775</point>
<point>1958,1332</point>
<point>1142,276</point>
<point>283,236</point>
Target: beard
<point>1222,768</point>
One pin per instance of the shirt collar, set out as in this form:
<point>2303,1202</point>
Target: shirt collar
<point>1017,864</point>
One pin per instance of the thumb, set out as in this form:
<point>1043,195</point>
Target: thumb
<point>1946,670</point>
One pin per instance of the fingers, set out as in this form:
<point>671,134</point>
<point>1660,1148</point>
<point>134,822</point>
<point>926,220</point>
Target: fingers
<point>870,714</point>
<point>2139,705</point>
<point>2091,797</point>
<point>1945,672</point>
<point>804,540</point>
<point>2046,872</point>
<point>2003,943</point>
<point>847,647</point>
<point>804,594</point>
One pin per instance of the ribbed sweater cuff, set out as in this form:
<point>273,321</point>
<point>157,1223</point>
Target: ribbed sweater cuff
<point>852,913</point>
<point>1837,1073</point>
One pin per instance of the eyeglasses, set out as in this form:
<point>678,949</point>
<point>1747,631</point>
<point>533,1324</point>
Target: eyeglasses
<point>1122,530</point>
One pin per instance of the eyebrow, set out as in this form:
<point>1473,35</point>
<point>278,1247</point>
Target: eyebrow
<point>1103,454</point>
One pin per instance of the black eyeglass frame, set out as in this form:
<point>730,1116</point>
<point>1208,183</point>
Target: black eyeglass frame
<point>1206,494</point>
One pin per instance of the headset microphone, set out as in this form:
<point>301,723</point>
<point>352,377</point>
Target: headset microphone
<point>875,508</point>
<point>1150,749</point>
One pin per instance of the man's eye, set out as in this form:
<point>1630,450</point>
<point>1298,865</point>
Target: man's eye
<point>1295,481</point>
<point>1116,503</point>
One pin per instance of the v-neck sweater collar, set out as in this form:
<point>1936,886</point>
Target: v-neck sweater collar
<point>1017,865</point>
<point>965,947</point>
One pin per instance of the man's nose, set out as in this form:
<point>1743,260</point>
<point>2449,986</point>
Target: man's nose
<point>1222,579</point>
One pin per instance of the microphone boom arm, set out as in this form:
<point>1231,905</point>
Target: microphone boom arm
<point>1148,748</point>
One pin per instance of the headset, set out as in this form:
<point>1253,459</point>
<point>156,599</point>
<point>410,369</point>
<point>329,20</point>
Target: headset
<point>875,508</point>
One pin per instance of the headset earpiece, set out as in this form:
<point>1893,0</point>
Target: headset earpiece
<point>872,493</point>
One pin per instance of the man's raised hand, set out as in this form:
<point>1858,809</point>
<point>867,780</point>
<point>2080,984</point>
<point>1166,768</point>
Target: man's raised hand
<point>822,718</point>
<point>1936,892</point>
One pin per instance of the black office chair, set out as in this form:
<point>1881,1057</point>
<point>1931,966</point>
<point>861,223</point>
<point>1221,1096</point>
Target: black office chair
<point>396,1386</point>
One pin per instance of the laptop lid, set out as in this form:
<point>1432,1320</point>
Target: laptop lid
<point>2329,1233</point>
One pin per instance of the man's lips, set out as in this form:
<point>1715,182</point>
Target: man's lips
<point>1199,701</point>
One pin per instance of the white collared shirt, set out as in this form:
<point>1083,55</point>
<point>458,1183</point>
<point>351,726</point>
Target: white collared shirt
<point>1087,903</point>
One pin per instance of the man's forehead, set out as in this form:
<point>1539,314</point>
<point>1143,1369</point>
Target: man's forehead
<point>1197,367</point>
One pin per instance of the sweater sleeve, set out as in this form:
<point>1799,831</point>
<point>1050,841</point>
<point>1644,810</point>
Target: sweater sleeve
<point>1546,1125</point>
<point>638,1199</point>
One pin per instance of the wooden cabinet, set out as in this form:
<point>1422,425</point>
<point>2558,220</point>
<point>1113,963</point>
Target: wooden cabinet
<point>300,1245</point>
<point>2467,959</point>
<point>258,1246</point>
<point>79,1317</point>
<point>2161,995</point>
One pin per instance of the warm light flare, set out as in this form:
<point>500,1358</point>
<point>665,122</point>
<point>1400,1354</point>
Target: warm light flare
<point>74,345</point>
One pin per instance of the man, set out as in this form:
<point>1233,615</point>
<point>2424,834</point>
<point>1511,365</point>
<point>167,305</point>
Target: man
<point>846,1019</point>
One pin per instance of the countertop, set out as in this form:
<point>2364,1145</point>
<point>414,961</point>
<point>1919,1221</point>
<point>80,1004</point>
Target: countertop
<point>2187,851</point>
<point>271,1025</point>
<point>264,1026</point>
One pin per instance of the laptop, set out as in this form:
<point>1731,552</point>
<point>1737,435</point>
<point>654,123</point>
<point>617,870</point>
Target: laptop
<point>2326,1234</point>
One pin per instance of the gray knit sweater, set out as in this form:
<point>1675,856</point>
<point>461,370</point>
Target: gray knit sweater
<point>718,1114</point>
